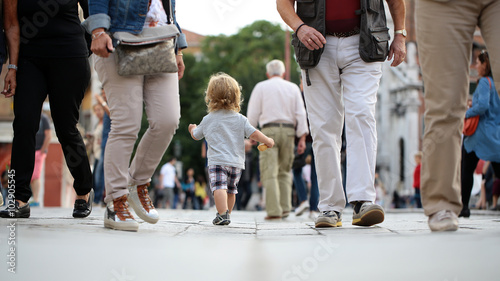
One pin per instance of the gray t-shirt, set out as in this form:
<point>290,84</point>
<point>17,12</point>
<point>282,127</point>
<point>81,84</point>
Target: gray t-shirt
<point>225,132</point>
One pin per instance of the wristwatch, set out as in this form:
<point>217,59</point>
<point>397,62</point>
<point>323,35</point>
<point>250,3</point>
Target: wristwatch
<point>401,31</point>
<point>12,66</point>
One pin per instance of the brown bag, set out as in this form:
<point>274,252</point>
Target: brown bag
<point>470,124</point>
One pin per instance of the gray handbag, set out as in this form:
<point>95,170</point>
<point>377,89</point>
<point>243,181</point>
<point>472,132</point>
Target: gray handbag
<point>150,52</point>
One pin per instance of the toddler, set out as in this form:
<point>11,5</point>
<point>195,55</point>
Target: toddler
<point>225,130</point>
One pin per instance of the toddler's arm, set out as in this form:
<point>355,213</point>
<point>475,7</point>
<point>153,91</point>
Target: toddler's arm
<point>191,128</point>
<point>260,137</point>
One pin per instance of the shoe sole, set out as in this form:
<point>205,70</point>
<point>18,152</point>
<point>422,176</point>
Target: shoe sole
<point>223,222</point>
<point>370,218</point>
<point>322,224</point>
<point>138,211</point>
<point>121,225</point>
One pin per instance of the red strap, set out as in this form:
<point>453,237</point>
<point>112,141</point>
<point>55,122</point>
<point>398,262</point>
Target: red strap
<point>489,81</point>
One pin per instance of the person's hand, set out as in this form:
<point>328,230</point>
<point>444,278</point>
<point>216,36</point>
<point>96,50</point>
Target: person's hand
<point>270,143</point>
<point>397,50</point>
<point>9,89</point>
<point>180,65</point>
<point>311,38</point>
<point>102,44</point>
<point>301,146</point>
<point>191,128</point>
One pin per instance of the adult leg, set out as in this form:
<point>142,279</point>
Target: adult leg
<point>269,168</point>
<point>446,91</point>
<point>360,125</point>
<point>161,98</point>
<point>469,163</point>
<point>325,111</point>
<point>285,161</point>
<point>125,101</point>
<point>314,195</point>
<point>300,184</point>
<point>30,93</point>
<point>68,81</point>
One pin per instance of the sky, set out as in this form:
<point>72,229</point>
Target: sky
<point>214,17</point>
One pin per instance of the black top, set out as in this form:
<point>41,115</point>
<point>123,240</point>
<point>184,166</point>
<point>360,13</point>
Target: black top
<point>51,28</point>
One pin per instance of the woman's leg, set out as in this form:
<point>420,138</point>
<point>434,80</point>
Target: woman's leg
<point>30,93</point>
<point>469,163</point>
<point>67,82</point>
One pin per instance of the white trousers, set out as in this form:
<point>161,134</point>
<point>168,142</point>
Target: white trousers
<point>343,85</point>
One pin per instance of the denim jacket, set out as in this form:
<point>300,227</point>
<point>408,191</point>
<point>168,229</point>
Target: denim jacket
<point>123,15</point>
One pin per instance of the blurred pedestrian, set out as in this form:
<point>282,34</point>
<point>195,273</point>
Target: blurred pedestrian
<point>485,142</point>
<point>127,180</point>
<point>188,187</point>
<point>200,191</point>
<point>298,179</point>
<point>168,182</point>
<point>446,91</point>
<point>416,178</point>
<point>282,123</point>
<point>42,142</point>
<point>99,170</point>
<point>225,130</point>
<point>343,87</point>
<point>245,184</point>
<point>53,62</point>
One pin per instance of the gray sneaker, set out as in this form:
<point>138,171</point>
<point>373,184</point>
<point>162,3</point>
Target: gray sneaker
<point>223,219</point>
<point>443,220</point>
<point>329,219</point>
<point>367,214</point>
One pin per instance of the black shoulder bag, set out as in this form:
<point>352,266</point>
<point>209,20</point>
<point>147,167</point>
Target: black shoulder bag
<point>374,34</point>
<point>312,13</point>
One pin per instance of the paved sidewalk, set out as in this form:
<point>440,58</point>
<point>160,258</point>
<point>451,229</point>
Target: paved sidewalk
<point>184,245</point>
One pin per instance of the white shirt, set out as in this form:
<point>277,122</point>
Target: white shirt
<point>156,15</point>
<point>277,101</point>
<point>169,173</point>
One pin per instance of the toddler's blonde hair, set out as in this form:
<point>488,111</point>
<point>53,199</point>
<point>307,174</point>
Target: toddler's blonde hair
<point>223,92</point>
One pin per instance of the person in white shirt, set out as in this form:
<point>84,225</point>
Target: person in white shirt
<point>168,182</point>
<point>276,105</point>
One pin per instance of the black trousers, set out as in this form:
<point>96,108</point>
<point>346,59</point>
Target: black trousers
<point>469,163</point>
<point>65,82</point>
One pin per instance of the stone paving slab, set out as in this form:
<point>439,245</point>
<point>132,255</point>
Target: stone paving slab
<point>184,245</point>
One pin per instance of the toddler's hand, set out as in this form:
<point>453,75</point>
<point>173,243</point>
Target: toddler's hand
<point>270,143</point>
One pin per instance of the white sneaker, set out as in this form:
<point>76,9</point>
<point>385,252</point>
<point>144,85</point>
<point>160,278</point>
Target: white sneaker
<point>141,203</point>
<point>117,216</point>
<point>443,220</point>
<point>301,208</point>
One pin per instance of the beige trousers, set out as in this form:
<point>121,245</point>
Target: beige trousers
<point>126,96</point>
<point>275,170</point>
<point>444,35</point>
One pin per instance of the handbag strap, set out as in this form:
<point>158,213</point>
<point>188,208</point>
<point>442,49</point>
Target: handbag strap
<point>489,81</point>
<point>168,9</point>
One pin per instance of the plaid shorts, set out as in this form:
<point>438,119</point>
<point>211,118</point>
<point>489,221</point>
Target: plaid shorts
<point>224,177</point>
